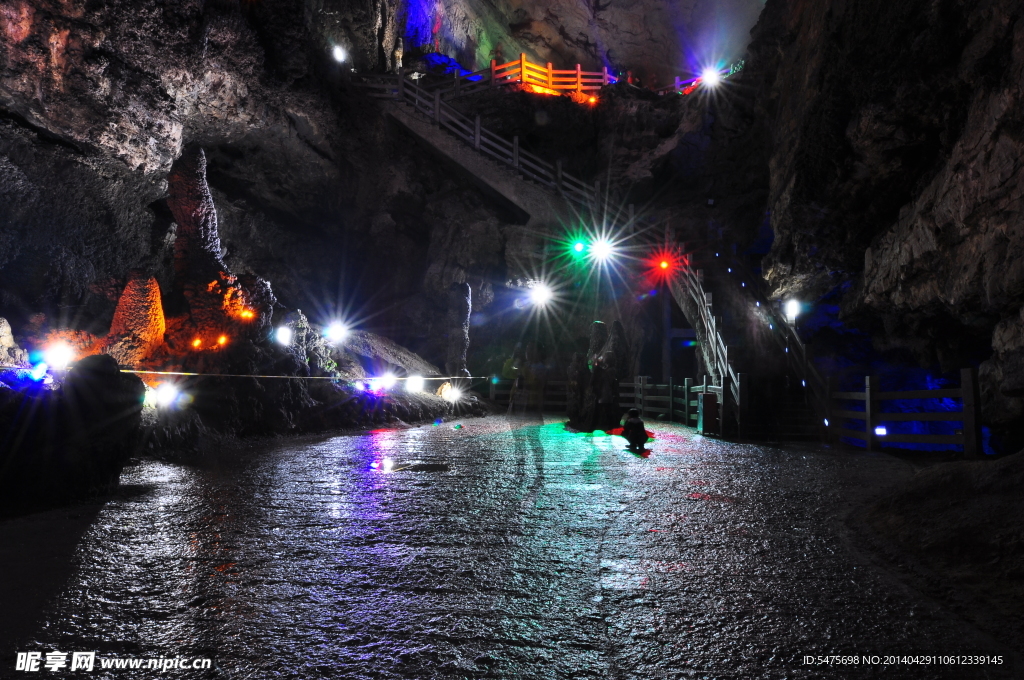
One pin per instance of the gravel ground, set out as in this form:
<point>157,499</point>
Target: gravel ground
<point>506,549</point>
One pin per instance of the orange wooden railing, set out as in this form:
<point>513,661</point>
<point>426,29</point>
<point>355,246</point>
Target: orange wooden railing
<point>525,71</point>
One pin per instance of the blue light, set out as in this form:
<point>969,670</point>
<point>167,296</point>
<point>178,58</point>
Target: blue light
<point>38,371</point>
<point>826,422</point>
<point>881,431</point>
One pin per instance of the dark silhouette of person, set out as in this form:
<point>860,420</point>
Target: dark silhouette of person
<point>633,430</point>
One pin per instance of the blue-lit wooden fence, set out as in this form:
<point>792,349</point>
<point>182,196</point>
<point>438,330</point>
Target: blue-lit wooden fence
<point>969,436</point>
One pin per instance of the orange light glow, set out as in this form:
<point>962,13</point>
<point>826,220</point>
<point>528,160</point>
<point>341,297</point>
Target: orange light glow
<point>197,343</point>
<point>222,340</point>
<point>247,314</point>
<point>592,100</point>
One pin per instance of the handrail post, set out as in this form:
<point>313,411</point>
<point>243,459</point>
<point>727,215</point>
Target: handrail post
<point>522,67</point>
<point>830,424</point>
<point>401,83</point>
<point>579,78</point>
<point>870,383</point>
<point>972,412</point>
<point>494,72</point>
<point>687,390</point>
<point>724,408</point>
<point>476,133</point>
<point>744,403</point>
<point>671,397</point>
<point>551,82</point>
<point>637,392</point>
<point>604,75</point>
<point>678,84</point>
<point>515,151</point>
<point>437,108</point>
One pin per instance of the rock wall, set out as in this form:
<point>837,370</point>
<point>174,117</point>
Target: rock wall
<point>892,143</point>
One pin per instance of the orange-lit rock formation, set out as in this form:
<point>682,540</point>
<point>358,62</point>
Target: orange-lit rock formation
<point>138,326</point>
<point>222,307</point>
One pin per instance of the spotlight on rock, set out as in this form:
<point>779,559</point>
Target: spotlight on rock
<point>710,77</point>
<point>339,54</point>
<point>414,383</point>
<point>388,380</point>
<point>792,310</point>
<point>283,335</point>
<point>449,392</point>
<point>58,355</point>
<point>166,395</point>
<point>541,294</point>
<point>336,332</point>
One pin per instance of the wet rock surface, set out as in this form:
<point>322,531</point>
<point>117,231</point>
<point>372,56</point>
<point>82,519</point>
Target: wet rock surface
<point>507,549</point>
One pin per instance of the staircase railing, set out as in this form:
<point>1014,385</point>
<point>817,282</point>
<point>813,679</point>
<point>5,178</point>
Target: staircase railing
<point>469,130</point>
<point>719,351</point>
<point>784,334</point>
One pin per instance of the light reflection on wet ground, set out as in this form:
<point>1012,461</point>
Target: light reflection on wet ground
<point>536,554</point>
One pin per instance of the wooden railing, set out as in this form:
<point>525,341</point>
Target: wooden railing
<point>469,130</point>
<point>676,402</point>
<point>969,436</point>
<point>524,71</point>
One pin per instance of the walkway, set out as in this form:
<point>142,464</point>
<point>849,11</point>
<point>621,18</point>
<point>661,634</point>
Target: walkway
<point>535,554</point>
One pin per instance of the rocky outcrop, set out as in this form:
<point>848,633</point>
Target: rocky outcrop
<point>890,135</point>
<point>10,353</point>
<point>66,442</point>
<point>594,386</point>
<point>377,353</point>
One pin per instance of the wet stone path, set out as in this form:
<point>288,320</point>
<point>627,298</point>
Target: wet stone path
<point>513,550</point>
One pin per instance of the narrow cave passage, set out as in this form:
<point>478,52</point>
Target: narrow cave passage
<point>505,548</point>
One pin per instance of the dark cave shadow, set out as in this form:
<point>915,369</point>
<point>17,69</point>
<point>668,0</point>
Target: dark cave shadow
<point>37,559</point>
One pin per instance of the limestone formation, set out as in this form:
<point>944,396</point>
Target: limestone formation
<point>10,353</point>
<point>460,305</point>
<point>597,384</point>
<point>138,326</point>
<point>220,304</point>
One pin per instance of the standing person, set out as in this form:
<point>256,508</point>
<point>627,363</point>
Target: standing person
<point>634,432</point>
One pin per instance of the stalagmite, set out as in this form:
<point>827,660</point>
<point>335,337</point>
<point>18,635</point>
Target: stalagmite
<point>459,307</point>
<point>138,326</point>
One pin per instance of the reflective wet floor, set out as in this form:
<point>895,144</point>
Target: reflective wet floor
<point>501,549</point>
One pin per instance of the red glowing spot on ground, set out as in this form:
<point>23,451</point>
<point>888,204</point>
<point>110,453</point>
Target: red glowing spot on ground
<point>197,343</point>
<point>222,340</point>
<point>710,497</point>
<point>664,264</point>
<point>592,100</point>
